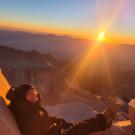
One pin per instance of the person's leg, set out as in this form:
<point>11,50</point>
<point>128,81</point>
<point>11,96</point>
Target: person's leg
<point>87,126</point>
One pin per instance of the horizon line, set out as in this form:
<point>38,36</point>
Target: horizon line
<point>57,34</point>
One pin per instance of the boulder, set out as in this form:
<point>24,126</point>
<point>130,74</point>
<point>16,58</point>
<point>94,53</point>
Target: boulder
<point>8,124</point>
<point>131,112</point>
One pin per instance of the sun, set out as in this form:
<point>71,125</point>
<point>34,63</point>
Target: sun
<point>101,36</point>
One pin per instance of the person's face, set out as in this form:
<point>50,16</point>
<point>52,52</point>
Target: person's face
<point>32,96</point>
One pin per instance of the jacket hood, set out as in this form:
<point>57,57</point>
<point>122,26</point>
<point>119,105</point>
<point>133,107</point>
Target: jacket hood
<point>20,106</point>
<point>20,91</point>
<point>15,94</point>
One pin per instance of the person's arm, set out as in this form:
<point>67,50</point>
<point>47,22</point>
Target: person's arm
<point>87,126</point>
<point>95,124</point>
<point>100,122</point>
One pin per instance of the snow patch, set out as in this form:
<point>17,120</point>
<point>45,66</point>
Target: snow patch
<point>75,111</point>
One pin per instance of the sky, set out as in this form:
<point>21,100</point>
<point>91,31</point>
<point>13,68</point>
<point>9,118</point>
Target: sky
<point>78,18</point>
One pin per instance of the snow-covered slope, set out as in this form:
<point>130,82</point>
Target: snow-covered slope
<point>75,111</point>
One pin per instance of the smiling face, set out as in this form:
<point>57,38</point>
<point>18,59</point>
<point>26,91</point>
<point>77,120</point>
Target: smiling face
<point>32,96</point>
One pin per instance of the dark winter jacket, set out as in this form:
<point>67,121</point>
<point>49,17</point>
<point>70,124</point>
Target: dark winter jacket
<point>33,119</point>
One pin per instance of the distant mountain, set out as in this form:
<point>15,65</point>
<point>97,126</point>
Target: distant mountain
<point>110,67</point>
<point>48,74</point>
<point>107,69</point>
<point>114,57</point>
<point>62,47</point>
<point>14,58</point>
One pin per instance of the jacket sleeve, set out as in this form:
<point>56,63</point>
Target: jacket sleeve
<point>87,126</point>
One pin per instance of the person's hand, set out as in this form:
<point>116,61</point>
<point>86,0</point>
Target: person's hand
<point>109,115</point>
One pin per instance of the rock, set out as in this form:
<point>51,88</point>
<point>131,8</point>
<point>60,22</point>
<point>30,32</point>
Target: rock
<point>113,131</point>
<point>8,125</point>
<point>131,112</point>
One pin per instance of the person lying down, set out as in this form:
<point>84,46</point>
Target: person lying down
<point>33,119</point>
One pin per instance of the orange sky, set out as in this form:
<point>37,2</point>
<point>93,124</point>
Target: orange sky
<point>81,18</point>
<point>92,35</point>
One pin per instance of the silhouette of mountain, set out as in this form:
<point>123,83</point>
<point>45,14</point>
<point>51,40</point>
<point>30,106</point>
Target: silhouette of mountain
<point>116,65</point>
<point>62,47</point>
<point>42,70</point>
<point>10,57</point>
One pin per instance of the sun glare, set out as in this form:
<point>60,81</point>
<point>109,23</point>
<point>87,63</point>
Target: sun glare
<point>101,36</point>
